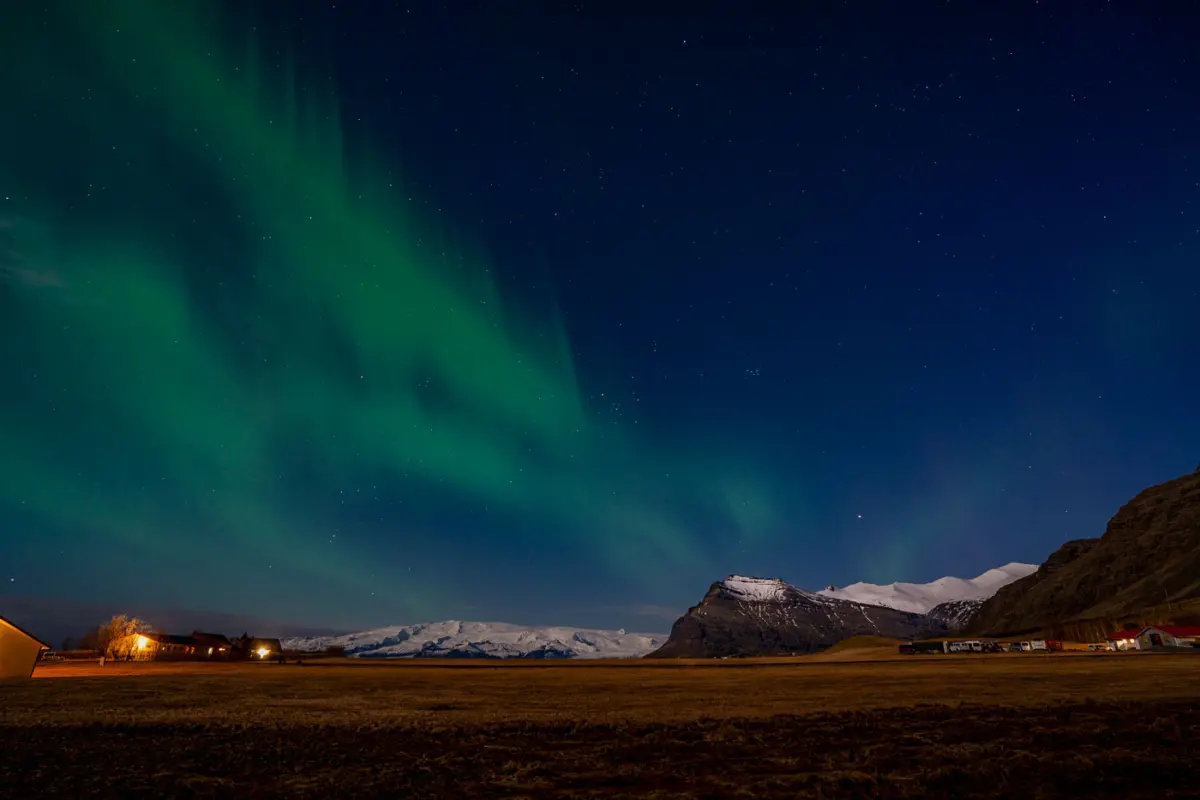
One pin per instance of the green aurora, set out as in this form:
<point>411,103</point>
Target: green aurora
<point>219,317</point>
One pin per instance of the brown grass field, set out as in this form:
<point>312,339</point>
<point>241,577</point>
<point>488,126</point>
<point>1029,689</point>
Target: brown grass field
<point>844,724</point>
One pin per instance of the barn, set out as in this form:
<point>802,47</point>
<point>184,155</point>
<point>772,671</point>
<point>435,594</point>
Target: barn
<point>19,651</point>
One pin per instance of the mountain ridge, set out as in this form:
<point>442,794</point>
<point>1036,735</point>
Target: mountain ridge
<point>743,615</point>
<point>921,598</point>
<point>496,640</point>
<point>747,616</point>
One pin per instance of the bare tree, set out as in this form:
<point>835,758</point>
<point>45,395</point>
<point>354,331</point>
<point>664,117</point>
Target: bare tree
<point>120,636</point>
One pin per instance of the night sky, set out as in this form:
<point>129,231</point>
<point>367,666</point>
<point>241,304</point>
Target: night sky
<point>554,313</point>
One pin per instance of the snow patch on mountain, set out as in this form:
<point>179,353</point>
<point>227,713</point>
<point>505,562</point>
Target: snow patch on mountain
<point>920,598</point>
<point>760,590</point>
<point>455,639</point>
<point>955,614</point>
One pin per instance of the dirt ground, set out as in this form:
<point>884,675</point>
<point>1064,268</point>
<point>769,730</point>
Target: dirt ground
<point>941,727</point>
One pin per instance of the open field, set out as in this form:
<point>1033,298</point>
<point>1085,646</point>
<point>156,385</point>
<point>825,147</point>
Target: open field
<point>940,726</point>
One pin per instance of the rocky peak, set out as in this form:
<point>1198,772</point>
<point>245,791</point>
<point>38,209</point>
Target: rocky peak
<point>745,589</point>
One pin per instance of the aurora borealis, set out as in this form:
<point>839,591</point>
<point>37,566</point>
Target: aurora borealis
<point>236,334</point>
<point>273,341</point>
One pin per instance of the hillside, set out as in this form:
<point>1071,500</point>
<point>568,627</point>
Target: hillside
<point>1147,559</point>
<point>860,648</point>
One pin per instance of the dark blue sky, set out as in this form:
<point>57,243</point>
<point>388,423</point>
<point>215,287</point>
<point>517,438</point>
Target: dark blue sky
<point>936,265</point>
<point>928,273</point>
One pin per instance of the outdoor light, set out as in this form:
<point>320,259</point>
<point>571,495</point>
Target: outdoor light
<point>141,642</point>
<point>263,652</point>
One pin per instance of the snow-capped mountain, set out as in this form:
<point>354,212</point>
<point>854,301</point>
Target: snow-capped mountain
<point>921,598</point>
<point>744,616</point>
<point>454,639</point>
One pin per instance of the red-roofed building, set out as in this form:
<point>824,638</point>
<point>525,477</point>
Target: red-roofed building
<point>1184,634</point>
<point>1160,636</point>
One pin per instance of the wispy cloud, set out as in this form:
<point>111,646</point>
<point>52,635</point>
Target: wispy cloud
<point>14,264</point>
<point>657,612</point>
<point>30,277</point>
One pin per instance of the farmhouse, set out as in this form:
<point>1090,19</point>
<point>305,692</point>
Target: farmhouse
<point>19,651</point>
<point>1149,638</point>
<point>201,646</point>
<point>212,645</point>
<point>163,647</point>
<point>257,649</point>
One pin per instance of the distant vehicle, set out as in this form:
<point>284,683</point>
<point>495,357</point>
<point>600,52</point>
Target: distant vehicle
<point>965,646</point>
<point>1095,647</point>
<point>51,656</point>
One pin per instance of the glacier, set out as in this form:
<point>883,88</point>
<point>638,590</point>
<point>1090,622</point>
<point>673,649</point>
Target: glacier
<point>920,598</point>
<point>455,639</point>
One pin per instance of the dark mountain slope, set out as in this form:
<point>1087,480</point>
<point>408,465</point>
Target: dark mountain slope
<point>1148,558</point>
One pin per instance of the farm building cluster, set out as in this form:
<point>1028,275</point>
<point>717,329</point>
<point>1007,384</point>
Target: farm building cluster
<point>200,646</point>
<point>20,650</point>
<point>1159,637</point>
<point>1151,638</point>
